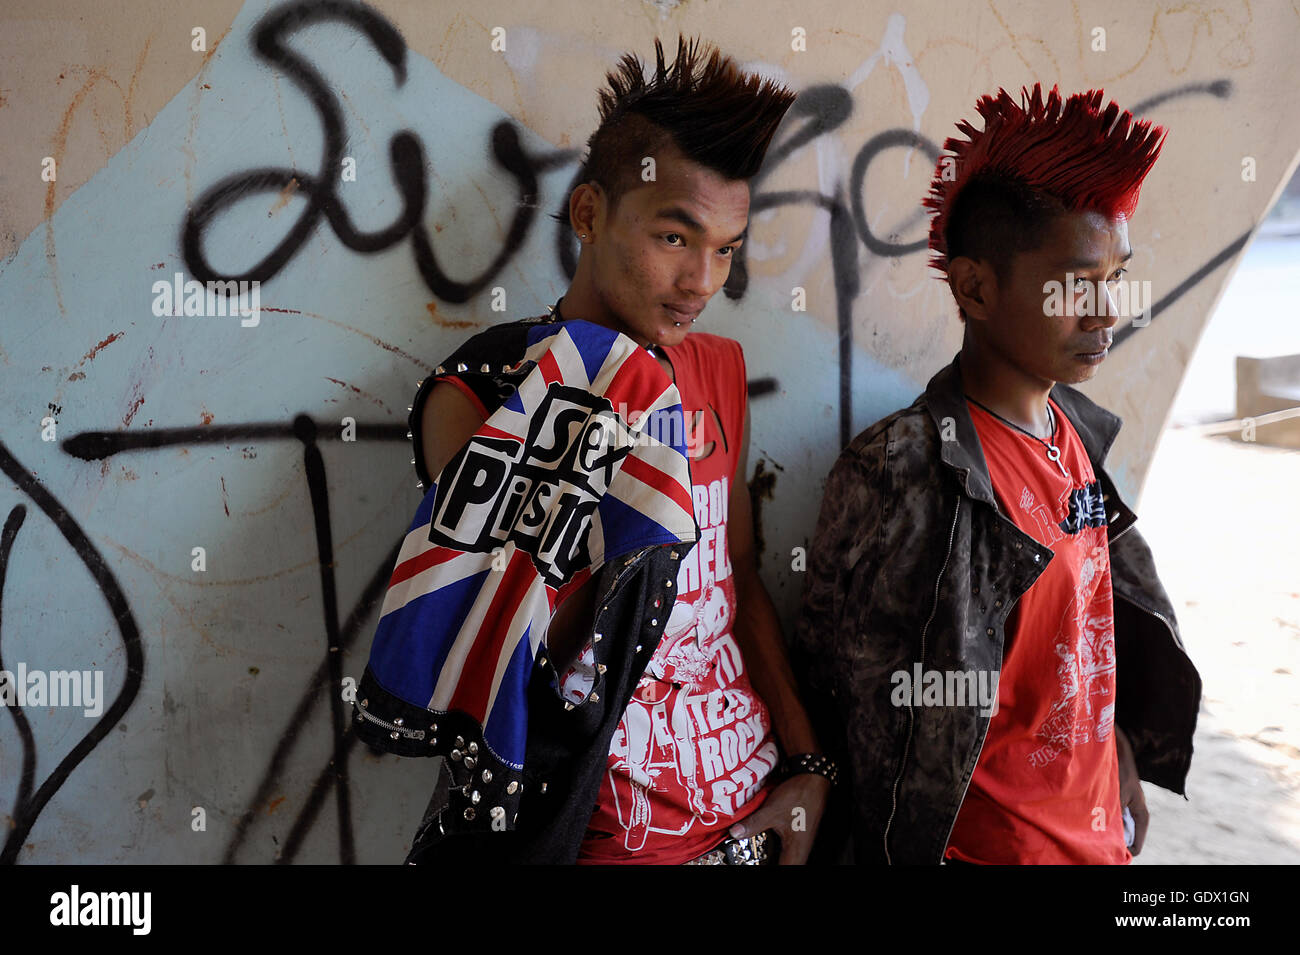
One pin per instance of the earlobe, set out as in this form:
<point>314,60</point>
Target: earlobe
<point>966,280</point>
<point>583,204</point>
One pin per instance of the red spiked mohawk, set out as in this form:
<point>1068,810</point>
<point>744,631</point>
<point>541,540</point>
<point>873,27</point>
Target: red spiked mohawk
<point>1080,156</point>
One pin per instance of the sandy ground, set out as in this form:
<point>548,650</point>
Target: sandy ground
<point>1223,519</point>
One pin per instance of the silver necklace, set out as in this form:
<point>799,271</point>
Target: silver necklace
<point>1053,450</point>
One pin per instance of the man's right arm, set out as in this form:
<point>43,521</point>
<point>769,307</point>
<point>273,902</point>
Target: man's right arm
<point>840,559</point>
<point>848,531</point>
<point>447,421</point>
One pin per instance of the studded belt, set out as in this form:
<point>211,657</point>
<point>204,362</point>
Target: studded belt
<point>760,849</point>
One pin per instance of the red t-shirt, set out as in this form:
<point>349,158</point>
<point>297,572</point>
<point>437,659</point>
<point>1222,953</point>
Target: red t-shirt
<point>1046,786</point>
<point>694,747</point>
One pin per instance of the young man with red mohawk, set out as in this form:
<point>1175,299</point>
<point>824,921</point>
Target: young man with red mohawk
<point>1000,663</point>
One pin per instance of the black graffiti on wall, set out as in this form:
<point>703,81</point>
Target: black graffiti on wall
<point>818,111</point>
<point>29,800</point>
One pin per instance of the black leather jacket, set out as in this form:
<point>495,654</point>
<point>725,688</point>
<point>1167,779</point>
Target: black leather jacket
<point>913,562</point>
<point>568,747</point>
<point>568,744</point>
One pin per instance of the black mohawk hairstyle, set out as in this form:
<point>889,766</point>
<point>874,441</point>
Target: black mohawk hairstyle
<point>715,114</point>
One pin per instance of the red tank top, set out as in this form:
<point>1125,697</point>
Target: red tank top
<point>1045,789</point>
<point>694,747</point>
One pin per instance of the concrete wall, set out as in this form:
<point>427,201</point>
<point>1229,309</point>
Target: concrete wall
<point>132,438</point>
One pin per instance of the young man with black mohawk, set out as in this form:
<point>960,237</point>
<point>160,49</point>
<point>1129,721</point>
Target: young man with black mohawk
<point>661,694</point>
<point>1002,663</point>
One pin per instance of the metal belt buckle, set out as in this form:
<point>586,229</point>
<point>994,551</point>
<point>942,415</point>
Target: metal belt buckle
<point>752,850</point>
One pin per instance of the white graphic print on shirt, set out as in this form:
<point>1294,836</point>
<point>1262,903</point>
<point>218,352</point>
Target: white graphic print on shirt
<point>1084,708</point>
<point>694,743</point>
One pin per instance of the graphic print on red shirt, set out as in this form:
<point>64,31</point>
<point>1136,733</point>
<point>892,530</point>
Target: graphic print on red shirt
<point>694,747</point>
<point>1046,784</point>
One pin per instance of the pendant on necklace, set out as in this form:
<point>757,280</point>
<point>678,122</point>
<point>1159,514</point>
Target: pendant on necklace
<point>1054,455</point>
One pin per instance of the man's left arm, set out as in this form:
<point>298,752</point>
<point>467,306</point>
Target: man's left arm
<point>1130,791</point>
<point>795,807</point>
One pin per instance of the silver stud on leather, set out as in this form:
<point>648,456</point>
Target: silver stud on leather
<point>469,762</point>
<point>596,637</point>
<point>485,369</point>
<point>543,787</point>
<point>473,747</point>
<point>440,370</point>
<point>595,698</point>
<point>474,797</point>
<point>455,755</point>
<point>398,722</point>
<point>567,706</point>
<point>668,583</point>
<point>469,813</point>
<point>433,741</point>
<point>989,631</point>
<point>601,668</point>
<point>408,436</point>
<point>638,648</point>
<point>461,366</point>
<point>395,735</point>
<point>460,742</point>
<point>674,555</point>
<point>654,621</point>
<point>512,788</point>
<point>419,383</point>
<point>487,775</point>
